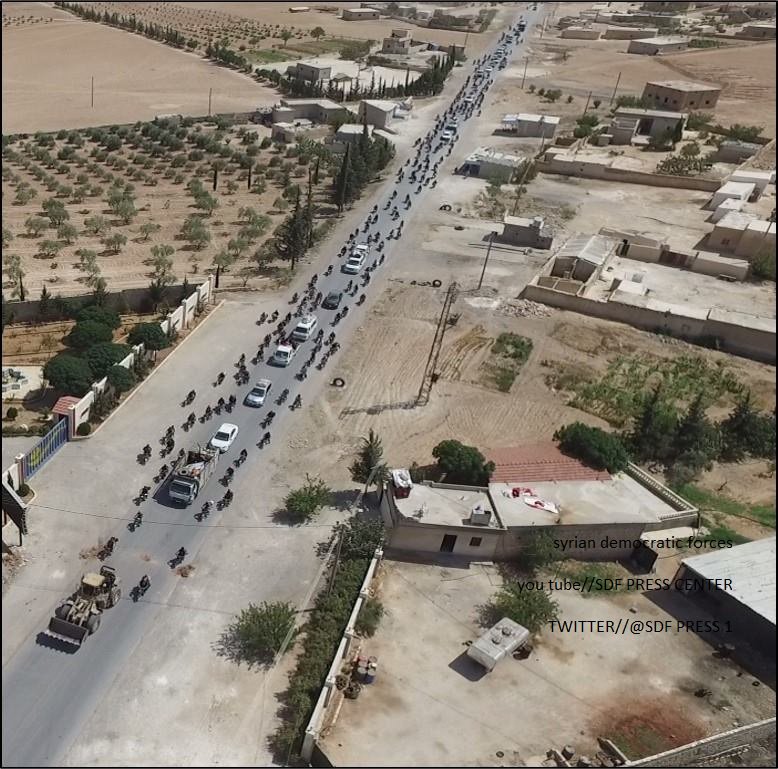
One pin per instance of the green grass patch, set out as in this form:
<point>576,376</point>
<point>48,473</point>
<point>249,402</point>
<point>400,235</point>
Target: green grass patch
<point>316,47</point>
<point>617,395</point>
<point>507,355</point>
<point>718,531</point>
<point>270,56</point>
<point>592,573</point>
<point>708,500</point>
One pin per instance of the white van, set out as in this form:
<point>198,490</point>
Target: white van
<point>303,330</point>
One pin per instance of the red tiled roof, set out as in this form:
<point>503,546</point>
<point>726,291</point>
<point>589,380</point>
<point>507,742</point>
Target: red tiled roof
<point>539,462</point>
<point>62,404</point>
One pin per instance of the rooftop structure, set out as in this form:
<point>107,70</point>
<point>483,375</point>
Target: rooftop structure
<point>526,124</point>
<point>539,462</point>
<point>653,46</point>
<point>681,94</point>
<point>485,163</point>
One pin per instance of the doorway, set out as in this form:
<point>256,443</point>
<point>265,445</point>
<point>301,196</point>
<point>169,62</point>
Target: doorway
<point>447,545</point>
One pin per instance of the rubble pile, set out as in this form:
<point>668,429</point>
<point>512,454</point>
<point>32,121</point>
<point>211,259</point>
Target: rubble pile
<point>524,308</point>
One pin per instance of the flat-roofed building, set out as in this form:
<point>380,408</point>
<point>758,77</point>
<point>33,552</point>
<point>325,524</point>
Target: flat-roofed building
<point>310,71</point>
<point>526,124</point>
<point>736,585</point>
<point>486,163</point>
<point>360,14</point>
<point>681,95</point>
<point>656,46</point>
<point>757,32</point>
<point>317,110</point>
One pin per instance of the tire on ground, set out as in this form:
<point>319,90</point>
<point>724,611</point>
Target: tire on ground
<point>338,382</point>
<point>93,623</point>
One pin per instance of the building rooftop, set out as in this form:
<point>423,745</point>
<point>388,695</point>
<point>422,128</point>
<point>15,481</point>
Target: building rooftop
<point>594,249</point>
<point>323,103</point>
<point>485,154</point>
<point>683,85</point>
<point>735,220</point>
<point>526,117</point>
<point>444,506</point>
<point>638,112</point>
<point>354,128</point>
<point>760,322</point>
<point>539,461</point>
<point>750,566</point>
<point>620,499</point>
<point>663,40</point>
<point>382,104</point>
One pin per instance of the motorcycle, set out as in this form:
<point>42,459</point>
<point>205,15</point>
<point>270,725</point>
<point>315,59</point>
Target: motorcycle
<point>296,403</point>
<point>262,319</point>
<point>282,397</point>
<point>361,299</point>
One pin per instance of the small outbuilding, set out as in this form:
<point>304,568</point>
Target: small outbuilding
<point>681,95</point>
<point>656,46</point>
<point>531,232</point>
<point>486,163</point>
<point>526,124</point>
<point>360,14</point>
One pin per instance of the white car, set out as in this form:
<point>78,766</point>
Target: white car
<point>447,136</point>
<point>283,355</point>
<point>303,330</point>
<point>354,264</point>
<point>256,396</point>
<point>361,249</point>
<point>224,438</point>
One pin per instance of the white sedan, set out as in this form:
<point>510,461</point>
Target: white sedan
<point>224,438</point>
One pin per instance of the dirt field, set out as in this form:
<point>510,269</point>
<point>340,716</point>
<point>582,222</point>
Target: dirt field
<point>46,87</point>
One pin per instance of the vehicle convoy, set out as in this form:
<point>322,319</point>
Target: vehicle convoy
<point>191,475</point>
<point>79,616</point>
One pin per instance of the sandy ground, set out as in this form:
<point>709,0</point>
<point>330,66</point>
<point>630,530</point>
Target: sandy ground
<point>46,87</point>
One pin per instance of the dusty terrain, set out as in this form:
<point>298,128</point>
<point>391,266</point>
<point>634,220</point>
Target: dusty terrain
<point>46,87</point>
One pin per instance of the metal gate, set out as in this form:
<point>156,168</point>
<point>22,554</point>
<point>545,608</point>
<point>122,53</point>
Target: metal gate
<point>46,449</point>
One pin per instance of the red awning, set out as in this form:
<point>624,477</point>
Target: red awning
<point>62,406</point>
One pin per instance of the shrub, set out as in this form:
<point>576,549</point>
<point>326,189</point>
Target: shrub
<point>84,429</point>
<point>593,446</point>
<point>69,374</point>
<point>260,631</point>
<point>121,379</point>
<point>99,315</point>
<point>531,608</point>
<point>87,333</point>
<point>150,335</point>
<point>23,490</point>
<point>12,413</point>
<point>101,357</point>
<point>462,464</point>
<point>369,617</point>
<point>305,502</point>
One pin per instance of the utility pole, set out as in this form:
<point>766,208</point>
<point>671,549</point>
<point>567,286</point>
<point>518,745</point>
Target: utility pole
<point>615,88</point>
<point>210,92</point>
<point>93,91</point>
<point>587,102</point>
<point>486,260</point>
<point>523,179</point>
<point>524,76</point>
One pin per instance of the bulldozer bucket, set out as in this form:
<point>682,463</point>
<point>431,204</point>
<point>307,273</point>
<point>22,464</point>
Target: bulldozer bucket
<point>67,631</point>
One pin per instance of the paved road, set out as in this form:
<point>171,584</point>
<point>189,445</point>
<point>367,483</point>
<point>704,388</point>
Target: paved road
<point>49,691</point>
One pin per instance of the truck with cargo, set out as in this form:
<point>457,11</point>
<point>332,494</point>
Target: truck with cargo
<point>192,473</point>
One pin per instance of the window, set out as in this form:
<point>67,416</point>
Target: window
<point>475,541</point>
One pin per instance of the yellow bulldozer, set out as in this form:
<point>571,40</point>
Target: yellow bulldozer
<point>79,616</point>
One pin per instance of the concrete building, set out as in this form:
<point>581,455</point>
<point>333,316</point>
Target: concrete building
<point>382,112</point>
<point>668,7</point>
<point>656,46</point>
<point>290,132</point>
<point>317,110</point>
<point>760,179</point>
<point>536,126</point>
<point>399,42</point>
<point>631,122</point>
<point>681,95</point>
<point>736,586</point>
<point>360,14</point>
<point>630,33</point>
<point>732,189</point>
<point>580,33</point>
<point>757,32</point>
<point>742,234</point>
<point>534,490</point>
<point>486,163</point>
<point>310,71</point>
<point>520,231</point>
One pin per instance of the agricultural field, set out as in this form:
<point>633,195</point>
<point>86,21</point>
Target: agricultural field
<point>80,206</point>
<point>46,88</point>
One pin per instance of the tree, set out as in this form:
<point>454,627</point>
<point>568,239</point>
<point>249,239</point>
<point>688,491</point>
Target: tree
<point>696,442</point>
<point>594,447</point>
<point>56,211</point>
<point>96,225</point>
<point>89,333</point>
<point>317,32</point>
<point>206,202</point>
<point>102,315</point>
<point>195,231</point>
<point>533,609</point>
<point>286,36</point>
<point>68,374</point>
<point>747,432</point>
<point>7,237</point>
<point>15,273</point>
<point>150,335</point>
<point>99,290</point>
<point>44,304</point>
<point>24,195</point>
<point>67,232</point>
<point>596,103</point>
<point>553,94</point>
<point>342,180</point>
<point>369,464</point>
<point>161,260</point>
<point>260,631</point>
<point>121,379</point>
<point>653,429</point>
<point>125,210</point>
<point>115,242</point>
<point>147,229</point>
<point>48,249</point>
<point>101,357</point>
<point>462,464</point>
<point>223,260</point>
<point>305,502</point>
<point>35,225</point>
<point>291,239</point>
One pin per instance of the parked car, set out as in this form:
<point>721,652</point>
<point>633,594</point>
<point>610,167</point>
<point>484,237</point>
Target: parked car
<point>332,300</point>
<point>256,396</point>
<point>283,355</point>
<point>224,438</point>
<point>304,329</point>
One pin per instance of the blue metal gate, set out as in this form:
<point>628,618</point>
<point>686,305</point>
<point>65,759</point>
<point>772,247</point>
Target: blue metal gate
<point>46,449</point>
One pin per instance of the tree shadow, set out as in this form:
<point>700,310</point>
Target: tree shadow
<point>228,646</point>
<point>284,518</point>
